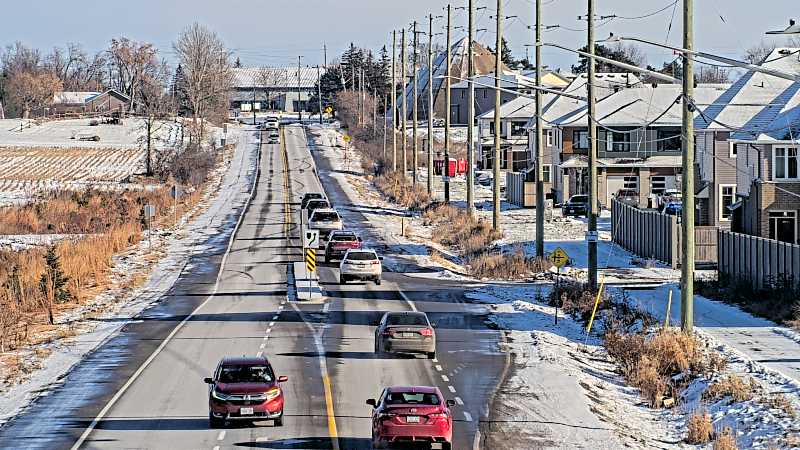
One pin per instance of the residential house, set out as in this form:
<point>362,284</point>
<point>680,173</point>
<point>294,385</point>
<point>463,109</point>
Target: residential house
<point>108,102</point>
<point>513,84</point>
<point>286,89</point>
<point>69,102</point>
<point>639,141</point>
<point>747,154</point>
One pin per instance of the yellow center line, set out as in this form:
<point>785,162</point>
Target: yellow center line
<point>326,382</point>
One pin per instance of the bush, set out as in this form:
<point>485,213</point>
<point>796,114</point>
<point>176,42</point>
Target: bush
<point>398,190</point>
<point>504,266</point>
<point>781,303</point>
<point>725,440</point>
<point>699,428</point>
<point>732,386</point>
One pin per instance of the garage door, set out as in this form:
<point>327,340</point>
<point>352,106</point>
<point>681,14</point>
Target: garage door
<point>614,184</point>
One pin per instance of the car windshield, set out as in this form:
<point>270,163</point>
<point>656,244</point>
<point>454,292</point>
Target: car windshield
<point>316,204</point>
<point>579,199</point>
<point>627,193</point>
<point>412,398</point>
<point>406,319</point>
<point>361,256</point>
<point>241,373</point>
<point>343,237</point>
<point>325,216</point>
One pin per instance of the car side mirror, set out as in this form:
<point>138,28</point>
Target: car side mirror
<point>283,379</point>
<point>450,403</point>
<point>380,258</point>
<point>208,380</point>
<point>372,402</point>
<point>433,325</point>
<point>360,240</point>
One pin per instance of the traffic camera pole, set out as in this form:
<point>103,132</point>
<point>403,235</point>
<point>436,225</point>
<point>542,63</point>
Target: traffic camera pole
<point>447,114</point>
<point>540,142</point>
<point>687,240</point>
<point>430,105</point>
<point>497,127</point>
<point>591,235</point>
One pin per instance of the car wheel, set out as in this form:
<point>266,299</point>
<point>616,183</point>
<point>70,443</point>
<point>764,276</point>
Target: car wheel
<point>431,355</point>
<point>378,281</point>
<point>447,446</point>
<point>214,422</point>
<point>377,443</point>
<point>278,422</point>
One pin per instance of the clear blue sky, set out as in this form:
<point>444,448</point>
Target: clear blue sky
<point>274,32</point>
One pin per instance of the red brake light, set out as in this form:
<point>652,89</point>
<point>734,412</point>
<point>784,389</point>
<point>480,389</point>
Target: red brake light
<point>440,415</point>
<point>375,262</point>
<point>426,332</point>
<point>388,332</point>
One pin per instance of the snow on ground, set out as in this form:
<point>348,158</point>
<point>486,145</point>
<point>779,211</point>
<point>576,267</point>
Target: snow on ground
<point>17,242</point>
<point>160,259</point>
<point>66,133</point>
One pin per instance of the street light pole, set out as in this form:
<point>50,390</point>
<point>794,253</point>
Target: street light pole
<point>471,111</point>
<point>299,109</point>
<point>415,109</point>
<point>430,105</point>
<point>449,62</point>
<point>591,235</point>
<point>539,142</point>
<point>497,126</point>
<point>687,240</point>
<point>319,94</point>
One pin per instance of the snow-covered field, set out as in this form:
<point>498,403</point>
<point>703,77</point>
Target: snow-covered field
<point>66,133</point>
<point>159,260</point>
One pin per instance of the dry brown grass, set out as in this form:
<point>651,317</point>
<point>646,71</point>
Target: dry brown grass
<point>699,428</point>
<point>781,402</point>
<point>503,266</point>
<point>725,440</point>
<point>733,386</point>
<point>456,228</point>
<point>399,190</point>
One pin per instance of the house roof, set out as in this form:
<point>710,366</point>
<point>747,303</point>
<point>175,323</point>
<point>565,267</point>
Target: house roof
<point>275,77</point>
<point>72,97</point>
<point>519,108</point>
<point>509,80</point>
<point>581,161</point>
<point>112,92</point>
<point>759,106</point>
<point>656,106</point>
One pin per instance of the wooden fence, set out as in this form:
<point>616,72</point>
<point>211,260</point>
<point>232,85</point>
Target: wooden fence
<point>520,192</point>
<point>765,263</point>
<point>651,234</point>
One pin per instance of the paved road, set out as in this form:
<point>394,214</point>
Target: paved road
<point>154,397</point>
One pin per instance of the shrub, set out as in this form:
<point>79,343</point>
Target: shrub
<point>732,386</point>
<point>725,440</point>
<point>699,428</point>
<point>505,266</point>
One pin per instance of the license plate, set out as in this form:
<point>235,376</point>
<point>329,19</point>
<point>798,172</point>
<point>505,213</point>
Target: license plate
<point>412,419</point>
<point>408,335</point>
<point>246,411</point>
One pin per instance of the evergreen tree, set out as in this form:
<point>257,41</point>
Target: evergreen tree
<point>330,85</point>
<point>238,63</point>
<point>619,55</point>
<point>505,56</point>
<point>180,93</point>
<point>53,282</point>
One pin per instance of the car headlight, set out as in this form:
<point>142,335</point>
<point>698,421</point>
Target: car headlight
<point>220,395</point>
<point>273,393</point>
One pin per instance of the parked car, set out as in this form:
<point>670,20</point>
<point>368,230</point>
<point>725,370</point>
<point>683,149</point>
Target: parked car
<point>360,264</point>
<point>405,332</point>
<point>628,197</point>
<point>315,204</point>
<point>339,242</point>
<point>245,388</point>
<point>577,205</point>
<point>325,220</point>
<point>483,179</point>
<point>411,413</point>
<point>673,209</point>
<point>308,196</point>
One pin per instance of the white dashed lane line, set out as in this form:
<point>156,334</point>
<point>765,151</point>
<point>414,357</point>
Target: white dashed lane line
<point>259,354</point>
<point>272,324</point>
<point>438,368</point>
<point>445,379</point>
<point>262,346</point>
<point>459,401</point>
<point>452,389</point>
<point>467,416</point>
<point>275,317</point>
<point>221,435</point>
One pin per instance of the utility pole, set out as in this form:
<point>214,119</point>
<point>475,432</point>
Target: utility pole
<point>498,73</point>
<point>319,94</point>
<point>591,235</point>
<point>374,109</point>
<point>415,111</point>
<point>447,113</point>
<point>404,107</point>
<point>430,104</point>
<point>385,128</point>
<point>325,56</point>
<point>687,240</point>
<point>254,102</point>
<point>539,141</point>
<point>394,100</point>
<point>471,111</point>
<point>299,109</point>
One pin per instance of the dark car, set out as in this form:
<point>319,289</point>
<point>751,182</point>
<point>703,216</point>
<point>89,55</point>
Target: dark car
<point>673,209</point>
<point>577,205</point>
<point>405,332</point>
<point>244,388</point>
<point>628,197</point>
<point>316,204</point>
<point>417,414</point>
<point>308,196</point>
<point>339,242</point>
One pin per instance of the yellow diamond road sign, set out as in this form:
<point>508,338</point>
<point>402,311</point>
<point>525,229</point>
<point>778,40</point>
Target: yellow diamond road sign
<point>346,138</point>
<point>559,257</point>
<point>311,259</point>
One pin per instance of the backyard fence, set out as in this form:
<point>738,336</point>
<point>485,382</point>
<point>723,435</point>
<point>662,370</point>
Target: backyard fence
<point>520,192</point>
<point>765,263</point>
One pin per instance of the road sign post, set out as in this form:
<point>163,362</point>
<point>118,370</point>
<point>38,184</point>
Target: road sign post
<point>559,258</point>
<point>310,245</point>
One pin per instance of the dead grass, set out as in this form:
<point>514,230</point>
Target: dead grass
<point>456,228</point>
<point>733,386</point>
<point>699,428</point>
<point>781,402</point>
<point>725,440</point>
<point>399,190</point>
<point>504,266</point>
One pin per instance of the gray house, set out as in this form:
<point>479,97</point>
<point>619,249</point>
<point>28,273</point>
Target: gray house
<point>272,89</point>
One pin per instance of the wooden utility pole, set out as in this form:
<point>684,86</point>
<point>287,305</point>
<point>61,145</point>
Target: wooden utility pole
<point>415,110</point>
<point>539,139</point>
<point>591,235</point>
<point>319,94</point>
<point>385,128</point>
<point>430,104</point>
<point>687,240</point>
<point>471,111</point>
<point>374,109</point>
<point>299,109</point>
<point>404,106</point>
<point>498,74</point>
<point>394,100</point>
<point>447,113</point>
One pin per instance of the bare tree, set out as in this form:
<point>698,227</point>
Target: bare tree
<point>130,63</point>
<point>32,90</point>
<point>156,107</point>
<point>712,75</point>
<point>209,75</point>
<point>758,53</point>
<point>268,79</point>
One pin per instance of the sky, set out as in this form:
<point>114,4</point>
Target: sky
<point>275,32</point>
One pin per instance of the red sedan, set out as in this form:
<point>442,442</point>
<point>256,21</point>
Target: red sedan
<point>245,388</point>
<point>411,414</point>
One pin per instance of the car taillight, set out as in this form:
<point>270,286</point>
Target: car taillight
<point>384,416</point>
<point>375,262</point>
<point>426,332</point>
<point>388,333</point>
<point>440,415</point>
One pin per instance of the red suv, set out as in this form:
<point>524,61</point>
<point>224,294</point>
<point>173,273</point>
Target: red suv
<point>411,414</point>
<point>245,388</point>
<point>339,242</point>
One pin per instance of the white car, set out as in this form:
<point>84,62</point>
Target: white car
<point>325,220</point>
<point>360,264</point>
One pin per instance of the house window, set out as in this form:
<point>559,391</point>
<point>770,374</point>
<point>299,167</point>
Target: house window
<point>580,140</point>
<point>731,150</point>
<point>785,163</point>
<point>727,194</point>
<point>518,128</point>
<point>658,185</point>
<point>546,168</point>
<point>618,142</point>
<point>669,139</point>
<point>631,183</point>
<point>549,138</point>
<point>783,226</point>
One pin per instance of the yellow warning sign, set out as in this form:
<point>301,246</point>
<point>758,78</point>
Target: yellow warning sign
<point>559,257</point>
<point>311,259</point>
<point>328,110</point>
<point>347,138</point>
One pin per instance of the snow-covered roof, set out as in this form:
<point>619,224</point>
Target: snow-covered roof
<point>275,77</point>
<point>657,106</point>
<point>581,161</point>
<point>72,98</point>
<point>759,106</point>
<point>509,80</point>
<point>519,108</point>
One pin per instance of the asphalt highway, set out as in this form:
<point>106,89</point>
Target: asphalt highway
<point>239,303</point>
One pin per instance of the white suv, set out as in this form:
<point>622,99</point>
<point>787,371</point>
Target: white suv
<point>360,264</point>
<point>325,220</point>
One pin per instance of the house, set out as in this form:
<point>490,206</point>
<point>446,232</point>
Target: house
<point>108,102</point>
<point>69,102</point>
<point>513,83</point>
<point>551,79</point>
<point>286,89</point>
<point>747,154</point>
<point>639,141</point>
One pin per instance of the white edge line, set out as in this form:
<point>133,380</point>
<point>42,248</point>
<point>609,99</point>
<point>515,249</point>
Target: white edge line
<point>410,303</point>
<point>175,330</point>
<point>259,354</point>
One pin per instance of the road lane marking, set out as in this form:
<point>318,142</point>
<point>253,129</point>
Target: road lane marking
<point>271,324</point>
<point>275,317</point>
<point>452,389</point>
<point>280,308</point>
<point>262,346</point>
<point>216,447</point>
<point>326,382</point>
<point>445,379</point>
<point>468,416</point>
<point>110,404</point>
<point>438,368</point>
<point>221,435</point>
<point>459,401</point>
<point>435,360</point>
<point>408,301</point>
<point>326,308</point>
<point>262,439</point>
<point>269,330</point>
<point>259,354</point>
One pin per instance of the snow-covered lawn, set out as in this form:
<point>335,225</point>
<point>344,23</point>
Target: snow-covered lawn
<point>65,134</point>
